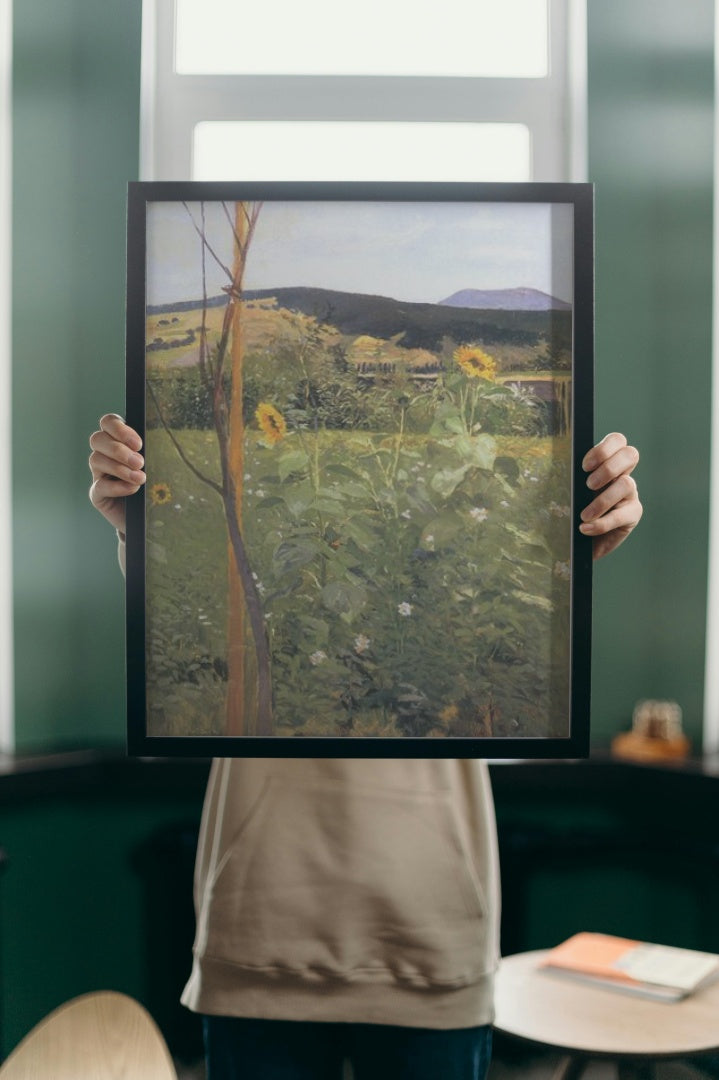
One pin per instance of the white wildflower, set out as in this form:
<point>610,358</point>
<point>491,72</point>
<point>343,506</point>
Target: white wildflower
<point>362,644</point>
<point>404,609</point>
<point>479,513</point>
<point>318,657</point>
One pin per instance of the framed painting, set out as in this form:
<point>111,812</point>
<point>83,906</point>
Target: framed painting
<point>364,408</point>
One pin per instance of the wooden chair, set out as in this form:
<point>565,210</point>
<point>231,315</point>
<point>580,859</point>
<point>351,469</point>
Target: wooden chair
<point>99,1036</point>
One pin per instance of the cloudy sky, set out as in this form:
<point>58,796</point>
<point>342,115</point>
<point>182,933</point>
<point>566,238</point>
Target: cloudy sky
<point>417,252</point>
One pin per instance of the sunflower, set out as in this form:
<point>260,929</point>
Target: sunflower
<point>475,362</point>
<point>160,494</point>
<point>272,422</point>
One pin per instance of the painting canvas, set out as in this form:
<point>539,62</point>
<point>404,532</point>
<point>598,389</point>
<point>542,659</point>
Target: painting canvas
<point>363,408</point>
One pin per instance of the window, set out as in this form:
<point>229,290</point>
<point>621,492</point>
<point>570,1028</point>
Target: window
<point>361,150</point>
<point>469,90</point>
<point>481,38</point>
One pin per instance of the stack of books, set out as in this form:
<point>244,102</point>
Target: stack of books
<point>661,972</point>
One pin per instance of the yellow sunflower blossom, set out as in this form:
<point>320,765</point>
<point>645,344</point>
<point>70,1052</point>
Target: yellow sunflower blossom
<point>475,362</point>
<point>160,494</point>
<point>272,422</point>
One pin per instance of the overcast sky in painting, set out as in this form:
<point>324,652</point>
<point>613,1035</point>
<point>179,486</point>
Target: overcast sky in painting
<point>416,252</point>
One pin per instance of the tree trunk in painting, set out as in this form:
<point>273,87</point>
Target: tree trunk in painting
<point>249,689</point>
<point>240,720</point>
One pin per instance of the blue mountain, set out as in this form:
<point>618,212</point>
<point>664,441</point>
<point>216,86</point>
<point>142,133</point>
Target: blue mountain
<point>521,299</point>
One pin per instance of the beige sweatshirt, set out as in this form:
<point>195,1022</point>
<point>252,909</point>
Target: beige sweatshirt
<point>347,890</point>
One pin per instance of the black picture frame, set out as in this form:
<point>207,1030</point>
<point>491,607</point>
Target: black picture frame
<point>328,632</point>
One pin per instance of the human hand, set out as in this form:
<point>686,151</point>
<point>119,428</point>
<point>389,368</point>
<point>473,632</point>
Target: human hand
<point>616,509</point>
<point>116,467</point>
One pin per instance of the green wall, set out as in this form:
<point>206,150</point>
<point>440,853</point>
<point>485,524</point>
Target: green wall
<point>75,146</point>
<point>650,156</point>
<point>76,90</point>
<point>74,901</point>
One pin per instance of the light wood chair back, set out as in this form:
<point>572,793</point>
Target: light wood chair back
<point>99,1036</point>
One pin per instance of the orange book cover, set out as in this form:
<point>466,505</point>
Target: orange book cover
<point>661,971</point>
<point>592,954</point>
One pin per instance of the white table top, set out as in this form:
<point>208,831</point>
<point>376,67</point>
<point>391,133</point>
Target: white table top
<point>571,1015</point>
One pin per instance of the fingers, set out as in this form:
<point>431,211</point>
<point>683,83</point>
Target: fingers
<point>108,496</point>
<point>625,514</point>
<point>621,492</point>
<point>110,458</point>
<point>615,510</point>
<point>115,451</point>
<point>117,429</point>
<point>117,467</point>
<point>609,459</point>
<point>603,449</point>
<point>109,487</point>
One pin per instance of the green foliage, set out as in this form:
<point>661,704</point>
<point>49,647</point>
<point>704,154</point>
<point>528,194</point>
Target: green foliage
<point>410,548</point>
<point>468,405</point>
<point>184,400</point>
<point>514,410</point>
<point>405,592</point>
<point>553,356</point>
<point>420,590</point>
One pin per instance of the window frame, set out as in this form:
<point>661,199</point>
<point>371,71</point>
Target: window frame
<point>553,108</point>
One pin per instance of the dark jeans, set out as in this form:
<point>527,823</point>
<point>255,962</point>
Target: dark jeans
<point>240,1049</point>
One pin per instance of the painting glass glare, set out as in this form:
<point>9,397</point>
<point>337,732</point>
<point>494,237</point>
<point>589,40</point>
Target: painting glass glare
<point>358,435</point>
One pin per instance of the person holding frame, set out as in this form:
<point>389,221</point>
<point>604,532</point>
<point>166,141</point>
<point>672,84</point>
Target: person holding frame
<point>348,909</point>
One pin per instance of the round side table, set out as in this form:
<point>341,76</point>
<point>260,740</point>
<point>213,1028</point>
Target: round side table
<point>585,1022</point>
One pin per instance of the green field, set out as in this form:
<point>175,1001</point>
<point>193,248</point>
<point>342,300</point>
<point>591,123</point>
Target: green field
<point>412,584</point>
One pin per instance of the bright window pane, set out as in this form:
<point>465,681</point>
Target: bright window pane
<point>315,150</point>
<point>497,38</point>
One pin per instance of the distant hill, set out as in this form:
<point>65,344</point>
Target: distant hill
<point>185,305</point>
<point>506,300</point>
<point>421,326</point>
